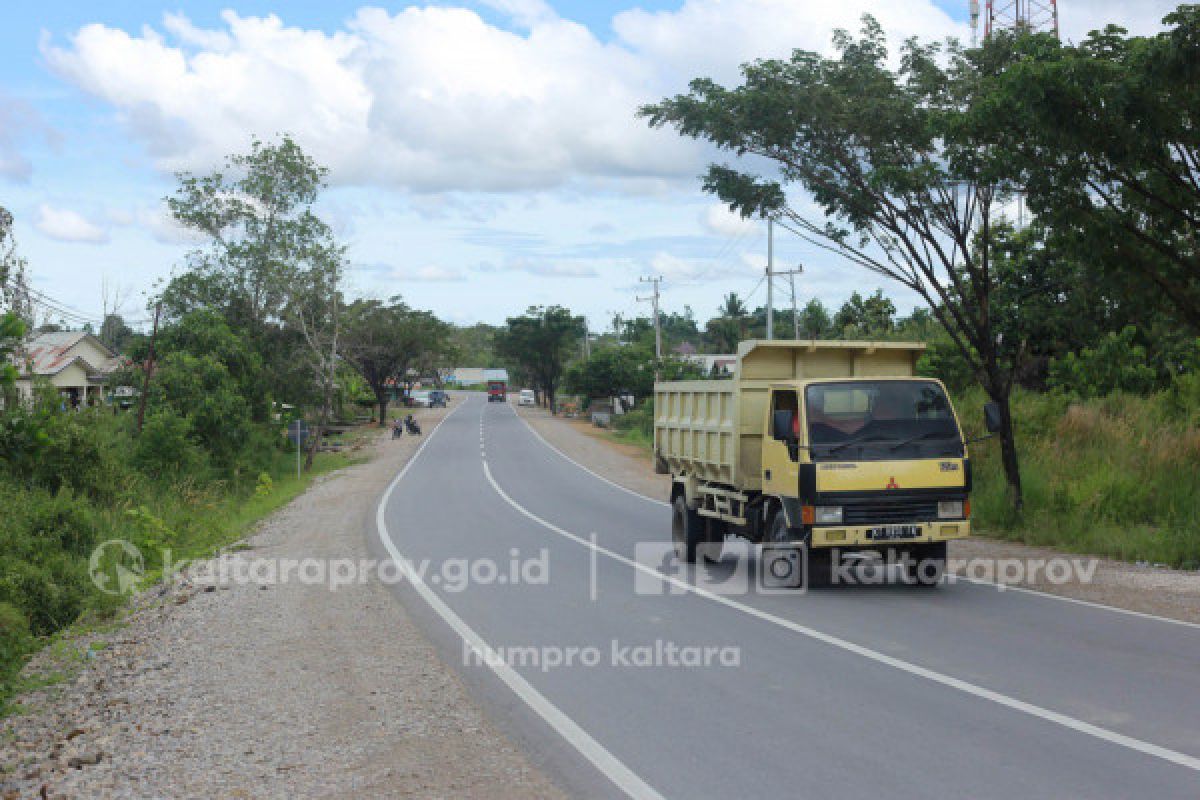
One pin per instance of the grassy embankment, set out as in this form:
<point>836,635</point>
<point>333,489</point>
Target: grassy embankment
<point>1117,476</point>
<point>50,532</point>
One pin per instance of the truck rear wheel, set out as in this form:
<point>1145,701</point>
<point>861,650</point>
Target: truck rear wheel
<point>925,565</point>
<point>687,530</point>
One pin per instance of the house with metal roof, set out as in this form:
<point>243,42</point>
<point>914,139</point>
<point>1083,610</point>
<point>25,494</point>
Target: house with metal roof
<point>77,364</point>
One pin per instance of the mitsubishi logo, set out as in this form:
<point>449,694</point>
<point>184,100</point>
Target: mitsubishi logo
<point>892,483</point>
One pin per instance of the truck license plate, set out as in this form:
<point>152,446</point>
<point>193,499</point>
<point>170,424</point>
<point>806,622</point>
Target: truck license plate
<point>891,532</point>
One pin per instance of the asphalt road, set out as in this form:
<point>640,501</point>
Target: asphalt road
<point>849,692</point>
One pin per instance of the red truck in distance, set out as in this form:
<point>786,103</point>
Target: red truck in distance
<point>497,391</point>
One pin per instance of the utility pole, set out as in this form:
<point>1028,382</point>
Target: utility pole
<point>587,349</point>
<point>657,324</point>
<point>795,314</point>
<point>770,282</point>
<point>771,273</point>
<point>149,367</point>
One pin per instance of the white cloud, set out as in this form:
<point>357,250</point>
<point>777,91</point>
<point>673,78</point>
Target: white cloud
<point>435,99</point>
<point>691,271</point>
<point>429,274</point>
<point>541,268</point>
<point>65,225</point>
<point>712,37</point>
<point>718,219</point>
<point>158,222</point>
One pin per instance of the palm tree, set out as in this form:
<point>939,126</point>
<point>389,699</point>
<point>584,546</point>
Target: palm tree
<point>734,310</point>
<point>733,307</point>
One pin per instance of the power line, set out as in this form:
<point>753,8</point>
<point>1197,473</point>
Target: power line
<point>62,309</point>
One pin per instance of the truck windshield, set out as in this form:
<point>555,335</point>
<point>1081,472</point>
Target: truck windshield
<point>876,420</point>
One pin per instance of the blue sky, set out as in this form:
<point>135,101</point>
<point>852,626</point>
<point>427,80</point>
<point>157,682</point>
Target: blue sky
<point>483,154</point>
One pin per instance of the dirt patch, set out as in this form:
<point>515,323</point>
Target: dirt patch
<point>266,688</point>
<point>1149,590</point>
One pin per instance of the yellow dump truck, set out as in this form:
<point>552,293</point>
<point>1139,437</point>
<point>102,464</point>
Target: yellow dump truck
<point>820,451</point>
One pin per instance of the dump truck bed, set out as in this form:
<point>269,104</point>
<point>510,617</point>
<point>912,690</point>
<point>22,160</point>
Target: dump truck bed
<point>713,429</point>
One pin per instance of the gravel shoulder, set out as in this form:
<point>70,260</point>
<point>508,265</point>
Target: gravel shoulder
<point>286,691</point>
<point>1149,590</point>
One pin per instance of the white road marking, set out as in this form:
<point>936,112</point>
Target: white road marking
<point>594,474</point>
<point>1008,587</point>
<point>1147,748</point>
<point>977,582</point>
<point>608,764</point>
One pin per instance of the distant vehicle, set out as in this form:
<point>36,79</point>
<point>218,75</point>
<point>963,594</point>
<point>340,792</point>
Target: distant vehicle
<point>438,399</point>
<point>420,400</point>
<point>497,391</point>
<point>526,398</point>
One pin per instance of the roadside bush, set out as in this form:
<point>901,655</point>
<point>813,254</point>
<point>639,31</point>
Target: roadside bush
<point>636,426</point>
<point>164,447</point>
<point>1113,476</point>
<point>44,546</point>
<point>15,642</point>
<point>1116,364</point>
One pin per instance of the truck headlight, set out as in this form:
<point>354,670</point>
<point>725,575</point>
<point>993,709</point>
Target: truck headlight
<point>829,515</point>
<point>950,509</point>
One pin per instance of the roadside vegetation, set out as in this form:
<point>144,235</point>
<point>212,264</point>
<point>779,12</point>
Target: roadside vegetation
<point>253,334</point>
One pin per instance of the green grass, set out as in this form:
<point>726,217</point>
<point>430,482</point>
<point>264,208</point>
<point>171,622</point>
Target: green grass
<point>1114,477</point>
<point>635,427</point>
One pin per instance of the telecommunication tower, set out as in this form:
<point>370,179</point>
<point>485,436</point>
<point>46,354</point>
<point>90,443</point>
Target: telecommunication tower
<point>1028,16</point>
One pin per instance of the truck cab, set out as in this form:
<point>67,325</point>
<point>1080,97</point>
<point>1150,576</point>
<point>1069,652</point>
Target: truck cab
<point>867,461</point>
<point>497,392</point>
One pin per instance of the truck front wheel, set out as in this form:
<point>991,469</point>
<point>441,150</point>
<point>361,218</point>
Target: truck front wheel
<point>788,561</point>
<point>687,530</point>
<point>925,564</point>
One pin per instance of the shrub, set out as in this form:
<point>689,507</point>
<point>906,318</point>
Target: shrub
<point>1116,364</point>
<point>164,447</point>
<point>15,642</point>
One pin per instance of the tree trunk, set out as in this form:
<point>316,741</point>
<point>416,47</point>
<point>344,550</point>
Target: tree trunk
<point>381,399</point>
<point>1008,450</point>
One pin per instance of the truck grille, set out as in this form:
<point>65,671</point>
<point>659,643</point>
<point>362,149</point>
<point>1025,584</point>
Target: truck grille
<point>887,510</point>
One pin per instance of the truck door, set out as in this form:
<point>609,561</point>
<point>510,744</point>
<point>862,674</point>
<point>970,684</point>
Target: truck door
<point>781,472</point>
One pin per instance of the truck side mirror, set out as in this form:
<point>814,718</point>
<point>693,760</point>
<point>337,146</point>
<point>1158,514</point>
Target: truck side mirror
<point>781,426</point>
<point>991,417</point>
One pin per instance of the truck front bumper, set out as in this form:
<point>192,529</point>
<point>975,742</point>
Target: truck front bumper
<point>860,535</point>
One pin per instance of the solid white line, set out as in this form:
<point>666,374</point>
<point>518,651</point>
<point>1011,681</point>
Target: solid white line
<point>1005,587</point>
<point>608,764</point>
<point>990,584</point>
<point>593,473</point>
<point>1175,757</point>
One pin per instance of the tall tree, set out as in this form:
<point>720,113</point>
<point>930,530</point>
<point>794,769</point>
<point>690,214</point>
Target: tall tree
<point>815,322</point>
<point>539,342</point>
<point>315,309</point>
<point>384,341</point>
<point>267,251</point>
<point>904,181</point>
<point>1106,140</point>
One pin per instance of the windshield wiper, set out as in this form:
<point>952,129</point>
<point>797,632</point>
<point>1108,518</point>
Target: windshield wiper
<point>856,440</point>
<point>925,435</point>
